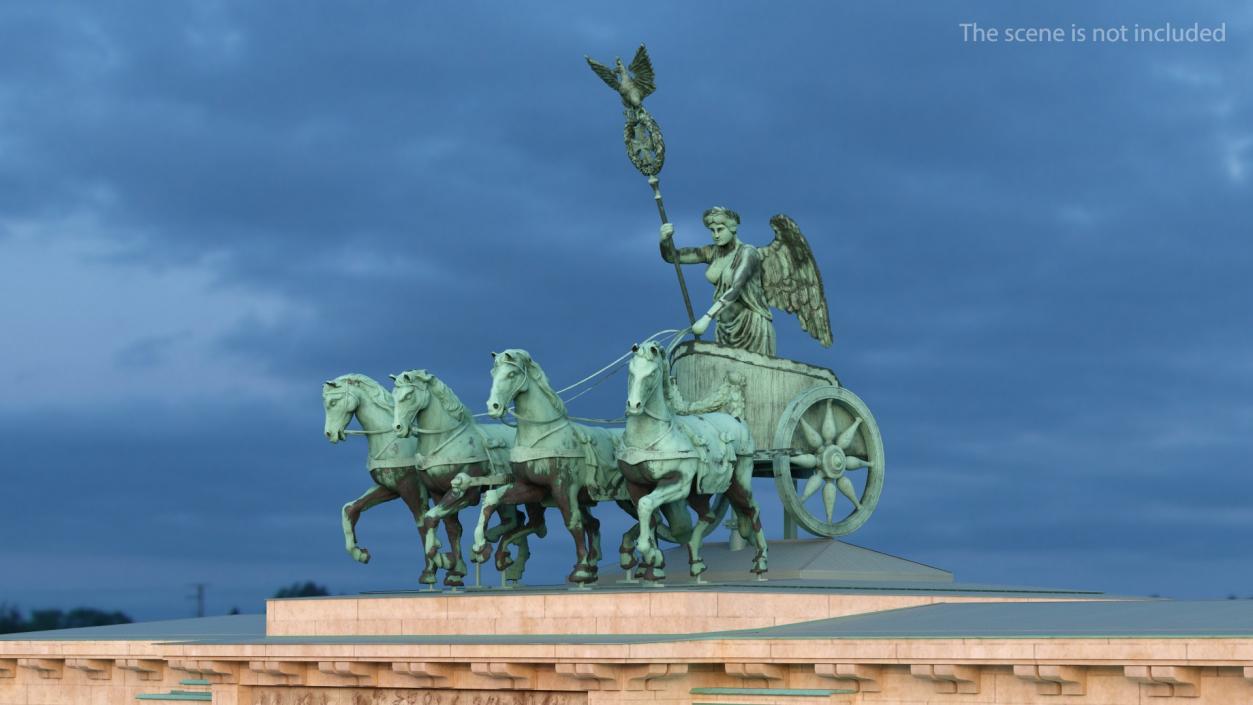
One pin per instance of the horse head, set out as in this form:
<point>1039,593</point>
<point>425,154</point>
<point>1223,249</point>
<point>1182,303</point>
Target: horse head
<point>511,376</point>
<point>412,392</point>
<point>645,372</point>
<point>340,401</point>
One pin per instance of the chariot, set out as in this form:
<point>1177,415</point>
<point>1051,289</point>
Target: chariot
<point>813,435</point>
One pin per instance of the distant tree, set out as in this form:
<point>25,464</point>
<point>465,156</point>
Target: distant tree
<point>89,617</point>
<point>43,620</point>
<point>234,610</point>
<point>10,619</point>
<point>305,589</point>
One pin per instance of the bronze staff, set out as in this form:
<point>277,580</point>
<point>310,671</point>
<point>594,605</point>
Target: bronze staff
<point>642,134</point>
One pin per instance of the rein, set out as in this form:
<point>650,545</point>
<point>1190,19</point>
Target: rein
<point>454,430</point>
<point>612,369</point>
<point>526,380</point>
<point>353,431</point>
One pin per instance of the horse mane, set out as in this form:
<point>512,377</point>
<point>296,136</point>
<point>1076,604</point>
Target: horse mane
<point>667,391</point>
<point>536,373</point>
<point>448,398</point>
<point>442,392</point>
<point>376,392</point>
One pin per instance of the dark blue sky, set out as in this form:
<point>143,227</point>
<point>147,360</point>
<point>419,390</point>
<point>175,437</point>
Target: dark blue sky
<point>1037,259</point>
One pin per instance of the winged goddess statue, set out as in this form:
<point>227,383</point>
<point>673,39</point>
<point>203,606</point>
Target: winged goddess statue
<point>748,281</point>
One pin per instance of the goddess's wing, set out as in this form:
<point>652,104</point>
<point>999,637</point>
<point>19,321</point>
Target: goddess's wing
<point>791,280</point>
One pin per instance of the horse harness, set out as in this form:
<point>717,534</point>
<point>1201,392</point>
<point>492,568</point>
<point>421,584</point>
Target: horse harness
<point>527,454</point>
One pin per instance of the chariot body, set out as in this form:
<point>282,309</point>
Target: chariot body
<point>813,436</point>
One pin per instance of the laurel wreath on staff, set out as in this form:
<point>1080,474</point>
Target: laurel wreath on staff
<point>641,134</point>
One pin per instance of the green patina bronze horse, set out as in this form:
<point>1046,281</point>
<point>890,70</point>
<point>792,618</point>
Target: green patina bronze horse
<point>452,448</point>
<point>552,459</point>
<point>391,458</point>
<point>666,457</point>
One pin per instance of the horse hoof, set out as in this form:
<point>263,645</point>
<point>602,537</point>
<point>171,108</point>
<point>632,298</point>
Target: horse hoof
<point>453,580</point>
<point>626,561</point>
<point>654,574</point>
<point>698,567</point>
<point>480,554</point>
<point>455,565</point>
<point>361,555</point>
<point>503,561</point>
<point>655,558</point>
<point>427,578</point>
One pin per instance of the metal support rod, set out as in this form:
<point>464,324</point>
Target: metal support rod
<point>789,524</point>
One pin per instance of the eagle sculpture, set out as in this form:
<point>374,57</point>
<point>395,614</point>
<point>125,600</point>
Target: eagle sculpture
<point>634,83</point>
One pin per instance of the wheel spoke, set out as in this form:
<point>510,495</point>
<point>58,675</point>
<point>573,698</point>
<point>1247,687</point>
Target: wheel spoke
<point>828,499</point>
<point>852,462</point>
<point>811,486</point>
<point>846,487</point>
<point>828,425</point>
<point>847,436</point>
<point>811,436</point>
<point>808,461</point>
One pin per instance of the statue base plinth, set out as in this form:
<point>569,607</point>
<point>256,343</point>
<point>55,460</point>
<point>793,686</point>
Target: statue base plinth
<point>808,580</point>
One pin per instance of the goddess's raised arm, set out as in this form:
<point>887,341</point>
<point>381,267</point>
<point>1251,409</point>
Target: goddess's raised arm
<point>686,255</point>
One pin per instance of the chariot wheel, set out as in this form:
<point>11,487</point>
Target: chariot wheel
<point>828,438</point>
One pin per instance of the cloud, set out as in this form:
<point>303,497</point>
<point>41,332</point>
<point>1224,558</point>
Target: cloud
<point>92,326</point>
<point>1036,257</point>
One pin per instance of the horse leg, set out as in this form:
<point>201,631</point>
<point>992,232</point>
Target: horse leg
<point>678,521</point>
<point>448,505</point>
<point>704,521</point>
<point>567,497</point>
<point>509,520</point>
<point>415,497</point>
<point>591,525</point>
<point>480,549</point>
<point>452,529</point>
<point>626,549</point>
<point>453,503</point>
<point>630,540</point>
<point>740,494</point>
<point>519,493</point>
<point>351,512</point>
<point>534,525</point>
<point>674,486</point>
<point>430,543</point>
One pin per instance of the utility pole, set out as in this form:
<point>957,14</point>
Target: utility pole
<point>199,597</point>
